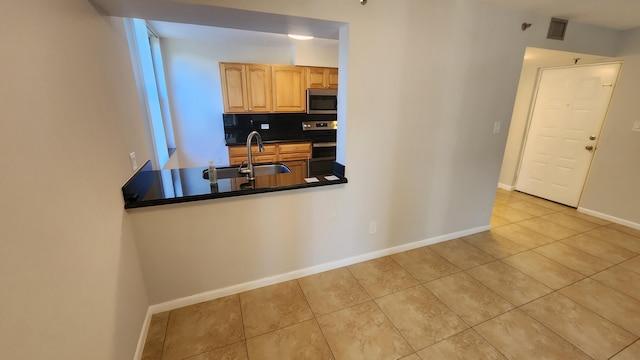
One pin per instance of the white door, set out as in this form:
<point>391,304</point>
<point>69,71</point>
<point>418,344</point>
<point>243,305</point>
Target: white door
<point>568,113</point>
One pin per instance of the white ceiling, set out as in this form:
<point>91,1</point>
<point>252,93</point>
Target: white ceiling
<point>614,14</point>
<point>217,34</point>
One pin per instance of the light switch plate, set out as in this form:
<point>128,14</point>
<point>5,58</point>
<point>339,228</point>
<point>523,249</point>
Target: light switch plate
<point>373,227</point>
<point>636,125</point>
<point>134,162</point>
<point>496,127</point>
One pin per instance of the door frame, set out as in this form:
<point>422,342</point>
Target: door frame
<point>525,137</point>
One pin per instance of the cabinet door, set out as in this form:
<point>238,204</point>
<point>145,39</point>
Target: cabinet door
<point>289,88</point>
<point>294,151</point>
<point>299,171</point>
<point>322,78</point>
<point>259,87</point>
<point>261,159</point>
<point>316,78</point>
<point>238,154</point>
<point>332,78</point>
<point>241,182</point>
<point>234,91</point>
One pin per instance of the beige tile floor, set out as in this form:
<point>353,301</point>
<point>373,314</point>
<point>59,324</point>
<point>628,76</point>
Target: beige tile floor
<point>545,283</point>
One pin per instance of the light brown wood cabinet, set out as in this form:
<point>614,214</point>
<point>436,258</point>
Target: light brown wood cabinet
<point>294,151</point>
<point>299,171</point>
<point>238,154</point>
<point>246,88</point>
<point>322,78</point>
<point>292,154</point>
<point>258,88</point>
<point>289,85</point>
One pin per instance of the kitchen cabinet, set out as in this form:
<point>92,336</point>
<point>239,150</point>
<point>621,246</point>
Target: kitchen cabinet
<point>322,78</point>
<point>294,151</point>
<point>246,88</point>
<point>289,85</point>
<point>299,170</point>
<point>238,154</point>
<point>293,154</point>
<point>296,156</point>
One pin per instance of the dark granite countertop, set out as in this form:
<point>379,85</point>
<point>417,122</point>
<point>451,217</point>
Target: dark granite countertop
<point>150,187</point>
<point>244,143</point>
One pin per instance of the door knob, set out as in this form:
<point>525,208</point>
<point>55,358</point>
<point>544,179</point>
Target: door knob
<point>589,147</point>
<point>592,137</point>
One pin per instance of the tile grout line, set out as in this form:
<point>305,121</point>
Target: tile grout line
<point>244,333</point>
<point>393,324</point>
<point>373,299</point>
<point>166,332</point>
<point>539,323</point>
<point>315,319</point>
<point>579,304</point>
<point>625,348</point>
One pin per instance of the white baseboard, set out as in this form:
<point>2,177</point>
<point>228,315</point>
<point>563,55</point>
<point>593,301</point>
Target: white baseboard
<point>506,187</point>
<point>607,217</point>
<point>218,293</point>
<point>143,335</point>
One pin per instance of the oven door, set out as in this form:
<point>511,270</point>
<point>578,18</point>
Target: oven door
<point>322,134</point>
<point>322,158</point>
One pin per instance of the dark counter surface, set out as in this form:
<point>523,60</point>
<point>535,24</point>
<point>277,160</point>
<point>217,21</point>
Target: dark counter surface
<point>150,187</point>
<point>232,142</point>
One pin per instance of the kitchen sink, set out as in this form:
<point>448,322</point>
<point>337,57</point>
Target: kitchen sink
<point>259,169</point>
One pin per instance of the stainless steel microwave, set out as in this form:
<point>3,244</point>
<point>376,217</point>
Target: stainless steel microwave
<point>322,101</point>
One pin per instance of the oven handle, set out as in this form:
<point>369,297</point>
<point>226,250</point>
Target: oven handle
<point>324,144</point>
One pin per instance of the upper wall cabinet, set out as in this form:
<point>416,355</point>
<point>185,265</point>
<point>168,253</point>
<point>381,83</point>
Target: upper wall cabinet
<point>289,84</point>
<point>322,78</point>
<point>246,87</point>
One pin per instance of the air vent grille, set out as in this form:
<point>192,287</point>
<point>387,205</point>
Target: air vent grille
<point>557,29</point>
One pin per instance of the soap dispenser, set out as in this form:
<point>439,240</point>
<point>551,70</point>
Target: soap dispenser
<point>213,175</point>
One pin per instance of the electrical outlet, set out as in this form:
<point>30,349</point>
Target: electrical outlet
<point>636,125</point>
<point>373,227</point>
<point>134,162</point>
<point>496,127</point>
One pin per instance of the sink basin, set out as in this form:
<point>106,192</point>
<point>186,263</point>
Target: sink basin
<point>259,170</point>
<point>270,169</point>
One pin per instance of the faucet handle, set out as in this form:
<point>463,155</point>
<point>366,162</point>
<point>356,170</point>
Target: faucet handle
<point>241,170</point>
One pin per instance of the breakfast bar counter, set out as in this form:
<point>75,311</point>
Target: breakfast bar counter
<point>148,187</point>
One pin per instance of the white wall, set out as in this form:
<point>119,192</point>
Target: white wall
<point>70,279</point>
<point>534,59</point>
<point>425,82</point>
<point>193,80</point>
<point>612,186</point>
<point>306,55</point>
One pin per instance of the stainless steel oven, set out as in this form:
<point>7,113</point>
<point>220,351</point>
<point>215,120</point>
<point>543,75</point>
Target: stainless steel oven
<point>323,136</point>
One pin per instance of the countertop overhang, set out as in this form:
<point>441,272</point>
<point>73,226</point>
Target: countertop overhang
<point>244,142</point>
<point>148,187</point>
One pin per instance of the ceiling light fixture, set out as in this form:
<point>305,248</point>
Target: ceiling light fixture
<point>300,37</point>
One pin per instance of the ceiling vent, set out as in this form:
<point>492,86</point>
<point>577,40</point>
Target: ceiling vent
<point>557,29</point>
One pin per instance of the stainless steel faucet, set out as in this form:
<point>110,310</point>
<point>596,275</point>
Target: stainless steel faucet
<point>249,170</point>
